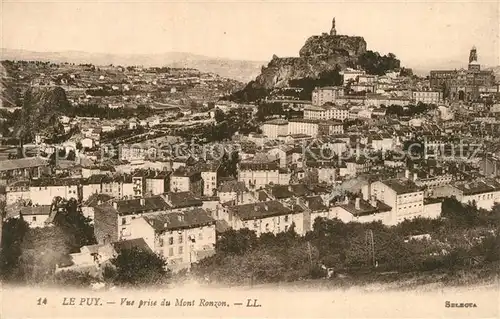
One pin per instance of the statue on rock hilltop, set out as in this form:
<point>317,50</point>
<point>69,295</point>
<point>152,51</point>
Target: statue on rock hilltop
<point>333,31</point>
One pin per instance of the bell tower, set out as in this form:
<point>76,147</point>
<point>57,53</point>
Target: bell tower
<point>473,54</point>
<point>473,64</point>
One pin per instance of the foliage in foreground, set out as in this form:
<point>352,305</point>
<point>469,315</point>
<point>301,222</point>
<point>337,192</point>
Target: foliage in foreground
<point>466,238</point>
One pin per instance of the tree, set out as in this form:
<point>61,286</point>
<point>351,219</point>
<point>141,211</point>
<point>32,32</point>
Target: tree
<point>373,63</point>
<point>13,233</point>
<point>42,250</point>
<point>229,164</point>
<point>77,228</point>
<point>139,267</point>
<point>219,115</point>
<point>236,241</point>
<point>75,279</point>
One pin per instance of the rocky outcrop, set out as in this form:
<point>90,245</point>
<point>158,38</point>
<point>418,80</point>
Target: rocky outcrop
<point>320,53</point>
<point>328,45</point>
<point>281,70</point>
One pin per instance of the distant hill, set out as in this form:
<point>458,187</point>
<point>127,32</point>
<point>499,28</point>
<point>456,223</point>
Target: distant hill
<point>234,69</point>
<point>496,70</point>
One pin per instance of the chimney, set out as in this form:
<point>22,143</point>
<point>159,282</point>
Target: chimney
<point>180,217</point>
<point>165,225</point>
<point>115,205</point>
<point>346,200</point>
<point>407,174</point>
<point>256,208</point>
<point>266,207</point>
<point>357,203</point>
<point>143,202</point>
<point>415,176</point>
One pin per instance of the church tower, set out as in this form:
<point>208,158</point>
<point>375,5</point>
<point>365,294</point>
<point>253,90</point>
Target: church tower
<point>473,64</point>
<point>473,54</point>
<point>333,31</point>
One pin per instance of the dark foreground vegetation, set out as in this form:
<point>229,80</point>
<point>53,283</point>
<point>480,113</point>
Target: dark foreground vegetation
<point>462,247</point>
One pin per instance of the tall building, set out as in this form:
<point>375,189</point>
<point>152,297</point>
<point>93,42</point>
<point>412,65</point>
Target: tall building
<point>464,85</point>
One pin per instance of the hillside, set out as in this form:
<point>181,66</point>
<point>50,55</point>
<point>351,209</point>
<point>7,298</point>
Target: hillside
<point>234,69</point>
<point>9,97</point>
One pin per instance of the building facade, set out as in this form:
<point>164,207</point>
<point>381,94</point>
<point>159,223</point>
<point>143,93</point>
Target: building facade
<point>464,85</point>
<point>323,95</point>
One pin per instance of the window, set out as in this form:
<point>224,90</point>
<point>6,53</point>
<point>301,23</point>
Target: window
<point>200,236</point>
<point>180,238</point>
<point>124,221</point>
<point>180,249</point>
<point>170,251</point>
<point>286,219</point>
<point>160,242</point>
<point>171,240</point>
<point>34,218</point>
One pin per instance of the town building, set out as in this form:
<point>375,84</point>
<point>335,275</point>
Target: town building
<point>351,75</point>
<point>36,216</point>
<point>182,238</point>
<point>314,128</point>
<point>322,95</point>
<point>464,85</point>
<point>326,112</point>
<point>28,167</point>
<point>256,175</point>
<point>234,191</point>
<point>42,191</point>
<point>265,217</point>
<point>428,97</point>
<point>112,219</point>
<point>274,128</point>
<point>402,195</point>
<point>483,193</point>
<point>187,179</point>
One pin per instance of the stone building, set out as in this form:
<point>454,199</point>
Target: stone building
<point>464,85</point>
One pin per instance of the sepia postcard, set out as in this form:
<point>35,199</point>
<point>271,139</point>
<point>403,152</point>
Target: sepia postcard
<point>258,159</point>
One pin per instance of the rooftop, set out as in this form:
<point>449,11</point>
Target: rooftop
<point>478,187</point>
<point>20,163</point>
<point>277,122</point>
<point>35,210</point>
<point>133,206</point>
<point>183,199</point>
<point>138,243</point>
<point>262,210</point>
<point>194,218</point>
<point>232,186</point>
<point>401,186</point>
<point>365,208</point>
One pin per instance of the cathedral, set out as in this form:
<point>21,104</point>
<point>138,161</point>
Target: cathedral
<point>464,85</point>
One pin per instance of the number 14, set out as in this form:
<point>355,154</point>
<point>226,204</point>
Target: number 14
<point>41,301</point>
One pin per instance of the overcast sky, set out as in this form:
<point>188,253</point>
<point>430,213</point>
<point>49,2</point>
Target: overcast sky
<point>416,31</point>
